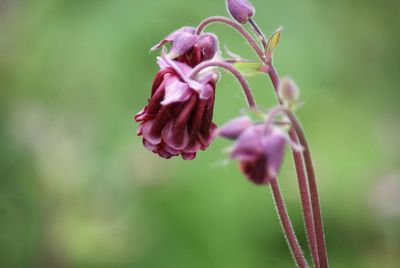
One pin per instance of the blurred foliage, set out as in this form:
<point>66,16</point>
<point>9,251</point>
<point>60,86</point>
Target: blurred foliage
<point>77,189</point>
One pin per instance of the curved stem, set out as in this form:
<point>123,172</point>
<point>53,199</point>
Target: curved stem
<point>303,187</point>
<point>287,225</point>
<point>312,193</point>
<point>305,201</point>
<point>259,33</point>
<point>229,67</point>
<point>312,185</point>
<point>250,40</point>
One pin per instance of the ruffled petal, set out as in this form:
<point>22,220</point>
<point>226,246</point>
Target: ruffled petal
<point>176,91</point>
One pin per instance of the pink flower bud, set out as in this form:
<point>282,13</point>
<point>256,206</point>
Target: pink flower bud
<point>240,10</point>
<point>288,90</point>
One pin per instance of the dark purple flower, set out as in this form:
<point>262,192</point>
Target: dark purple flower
<point>240,10</point>
<point>189,48</point>
<point>178,117</point>
<point>258,147</point>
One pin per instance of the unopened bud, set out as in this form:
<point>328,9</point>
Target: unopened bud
<point>240,10</point>
<point>288,91</point>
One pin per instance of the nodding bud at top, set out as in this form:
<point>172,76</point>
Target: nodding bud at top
<point>240,10</point>
<point>190,48</point>
<point>288,91</point>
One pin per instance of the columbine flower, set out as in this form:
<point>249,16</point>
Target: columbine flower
<point>178,117</point>
<point>259,148</point>
<point>240,10</point>
<point>189,48</point>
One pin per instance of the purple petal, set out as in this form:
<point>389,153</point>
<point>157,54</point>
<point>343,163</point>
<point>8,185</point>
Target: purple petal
<point>208,44</point>
<point>274,148</point>
<point>175,91</point>
<point>235,127</point>
<point>206,92</point>
<point>249,144</point>
<point>182,43</point>
<point>182,40</point>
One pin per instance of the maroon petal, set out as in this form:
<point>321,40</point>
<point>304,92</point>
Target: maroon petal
<point>160,77</point>
<point>149,146</point>
<point>176,134</point>
<point>175,138</point>
<point>206,140</point>
<point>207,119</point>
<point>152,129</point>
<point>255,170</point>
<point>188,156</point>
<point>194,127</point>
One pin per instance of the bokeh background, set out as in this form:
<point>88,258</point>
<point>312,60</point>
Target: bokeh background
<point>77,189</point>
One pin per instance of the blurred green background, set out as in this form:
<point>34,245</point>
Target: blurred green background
<point>77,189</point>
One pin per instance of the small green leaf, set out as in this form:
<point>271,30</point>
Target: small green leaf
<point>274,40</point>
<point>249,68</point>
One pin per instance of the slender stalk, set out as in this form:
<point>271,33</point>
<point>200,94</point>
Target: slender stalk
<point>287,225</point>
<point>259,33</point>
<point>233,70</point>
<point>297,132</point>
<point>312,184</point>
<point>303,187</point>
<point>305,202</point>
<point>250,40</point>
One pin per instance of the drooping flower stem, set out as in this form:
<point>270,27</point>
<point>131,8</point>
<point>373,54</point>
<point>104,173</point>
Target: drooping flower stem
<point>250,40</point>
<point>287,226</point>
<point>233,70</point>
<point>297,133</point>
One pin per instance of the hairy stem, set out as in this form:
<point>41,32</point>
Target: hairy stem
<point>287,225</point>
<point>250,40</point>
<point>312,185</point>
<point>233,70</point>
<point>305,202</point>
<point>297,133</point>
<point>303,187</point>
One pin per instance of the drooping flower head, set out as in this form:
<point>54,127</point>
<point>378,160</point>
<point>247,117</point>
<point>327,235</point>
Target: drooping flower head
<point>178,117</point>
<point>189,48</point>
<point>240,10</point>
<point>259,147</point>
